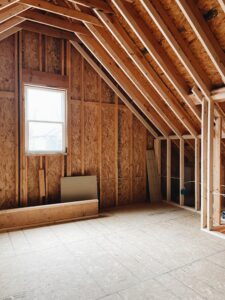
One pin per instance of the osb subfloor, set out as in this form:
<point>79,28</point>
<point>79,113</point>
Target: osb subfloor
<point>134,253</point>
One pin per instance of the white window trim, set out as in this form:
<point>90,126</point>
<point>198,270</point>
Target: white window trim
<point>26,124</point>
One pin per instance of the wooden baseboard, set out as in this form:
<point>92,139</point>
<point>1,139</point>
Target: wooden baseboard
<point>25,217</point>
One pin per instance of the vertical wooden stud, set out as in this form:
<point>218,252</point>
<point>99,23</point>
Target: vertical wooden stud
<point>217,172</point>
<point>197,173</point>
<point>204,143</point>
<point>68,71</point>
<point>168,170</point>
<point>131,156</point>
<point>181,171</point>
<point>158,152</point>
<point>82,115</point>
<point>210,165</point>
<point>116,149</point>
<point>100,136</point>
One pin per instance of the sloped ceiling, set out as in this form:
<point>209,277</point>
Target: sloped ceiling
<point>166,55</point>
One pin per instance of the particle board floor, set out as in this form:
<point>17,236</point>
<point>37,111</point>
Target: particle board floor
<point>141,252</point>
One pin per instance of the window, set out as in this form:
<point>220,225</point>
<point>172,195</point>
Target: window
<point>45,120</point>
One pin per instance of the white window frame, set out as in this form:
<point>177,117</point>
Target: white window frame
<point>64,124</point>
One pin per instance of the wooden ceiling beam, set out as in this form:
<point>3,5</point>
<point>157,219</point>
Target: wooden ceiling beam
<point>127,66</point>
<point>94,4</point>
<point>12,11</point>
<point>204,34</point>
<point>180,47</point>
<point>10,23</point>
<point>113,25</point>
<point>222,4</point>
<point>46,30</point>
<point>116,90</point>
<point>55,22</point>
<point>112,68</point>
<point>62,11</point>
<point>7,3</point>
<point>141,30</point>
<point>9,32</point>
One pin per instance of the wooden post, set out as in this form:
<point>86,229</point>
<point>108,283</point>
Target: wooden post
<point>116,148</point>
<point>204,142</point>
<point>168,170</point>
<point>197,174</point>
<point>158,148</point>
<point>181,170</point>
<point>217,172</point>
<point>210,165</point>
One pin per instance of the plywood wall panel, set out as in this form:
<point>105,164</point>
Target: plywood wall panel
<point>53,55</point>
<point>7,74</point>
<point>54,174</point>
<point>108,193</point>
<point>90,83</point>
<point>123,191</point>
<point>108,142</point>
<point>139,148</point>
<point>124,143</point>
<point>107,93</point>
<point>139,189</point>
<point>91,164</point>
<point>76,66</point>
<point>30,52</point>
<point>33,180</point>
<point>76,155</point>
<point>8,153</point>
<point>124,152</point>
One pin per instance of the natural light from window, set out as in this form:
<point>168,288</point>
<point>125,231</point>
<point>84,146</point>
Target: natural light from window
<point>45,124</point>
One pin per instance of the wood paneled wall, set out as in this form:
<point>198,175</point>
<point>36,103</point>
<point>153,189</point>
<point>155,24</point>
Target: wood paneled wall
<point>104,138</point>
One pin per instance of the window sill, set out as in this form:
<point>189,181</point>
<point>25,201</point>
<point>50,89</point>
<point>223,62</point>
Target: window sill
<point>46,154</point>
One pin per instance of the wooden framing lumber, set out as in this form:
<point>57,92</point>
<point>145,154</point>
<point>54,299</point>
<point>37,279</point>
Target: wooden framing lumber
<point>12,11</point>
<point>62,11</point>
<point>123,61</point>
<point>222,4</point>
<point>111,67</point>
<point>204,34</point>
<point>46,30</point>
<point>217,172</point>
<point>210,165</point>
<point>19,218</point>
<point>95,4</point>
<point>54,22</point>
<point>204,154</point>
<point>181,171</point>
<point>113,25</point>
<point>141,30</point>
<point>45,79</point>
<point>177,43</point>
<point>113,87</point>
<point>9,32</point>
<point>9,24</point>
<point>168,170</point>
<point>6,3</point>
<point>197,174</point>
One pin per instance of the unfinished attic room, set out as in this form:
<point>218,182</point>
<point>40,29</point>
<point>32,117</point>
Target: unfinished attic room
<point>112,149</point>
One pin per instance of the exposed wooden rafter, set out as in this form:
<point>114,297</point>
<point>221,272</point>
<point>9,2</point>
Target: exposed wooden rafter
<point>222,4</point>
<point>124,62</point>
<point>55,22</point>
<point>7,3</point>
<point>12,11</point>
<point>63,11</point>
<point>111,67</point>
<point>113,87</point>
<point>113,25</point>
<point>141,29</point>
<point>204,34</point>
<point>10,24</point>
<point>98,4</point>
